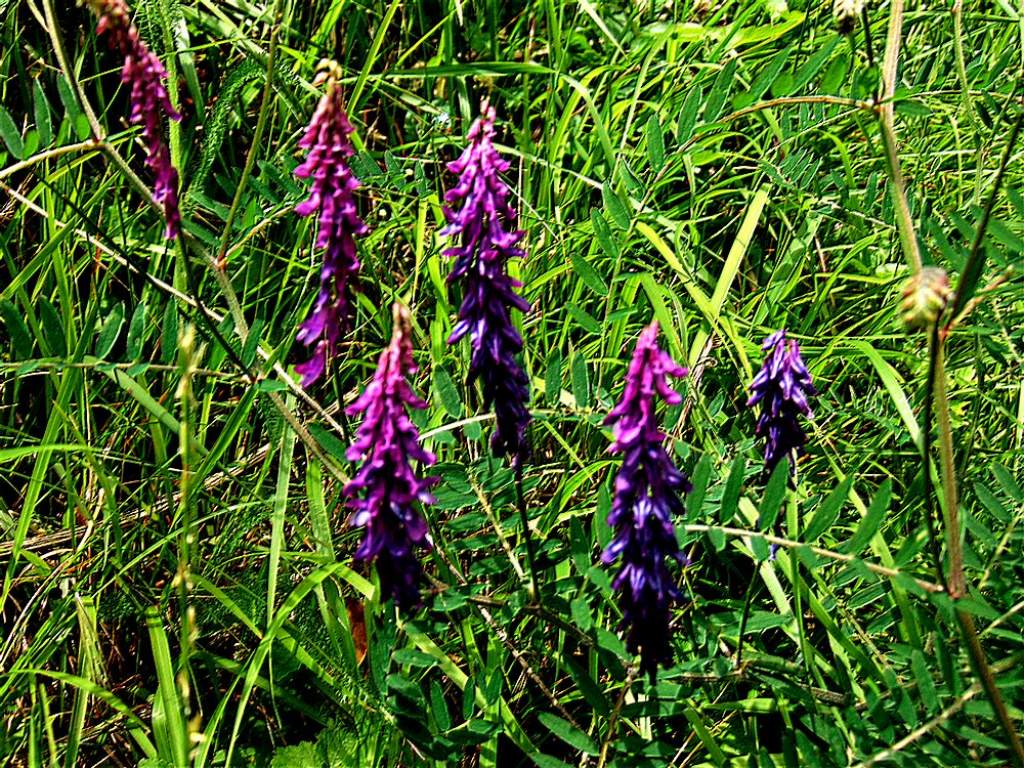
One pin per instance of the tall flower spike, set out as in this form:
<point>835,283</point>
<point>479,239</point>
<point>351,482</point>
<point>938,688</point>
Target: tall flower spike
<point>782,387</point>
<point>485,226</point>
<point>145,75</point>
<point>647,498</point>
<point>385,489</point>
<point>332,194</point>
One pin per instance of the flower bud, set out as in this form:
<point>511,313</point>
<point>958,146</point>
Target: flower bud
<point>925,296</point>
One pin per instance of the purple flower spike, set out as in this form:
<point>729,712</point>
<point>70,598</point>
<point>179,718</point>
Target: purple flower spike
<point>485,226</point>
<point>647,498</point>
<point>782,386</point>
<point>145,75</point>
<point>385,489</point>
<point>339,225</point>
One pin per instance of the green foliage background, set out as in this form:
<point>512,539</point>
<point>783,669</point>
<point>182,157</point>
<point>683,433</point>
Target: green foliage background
<point>671,160</point>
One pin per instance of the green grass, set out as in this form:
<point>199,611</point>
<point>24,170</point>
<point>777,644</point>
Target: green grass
<point>672,161</point>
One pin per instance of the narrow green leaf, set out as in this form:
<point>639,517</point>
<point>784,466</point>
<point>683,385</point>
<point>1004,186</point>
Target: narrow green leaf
<point>613,204</point>
<point>447,393</point>
<point>828,512</point>
<point>53,328</point>
<point>688,114</point>
<point>869,524</point>
<point>774,493</point>
<point>41,109</point>
<point>731,493</point>
<point>109,331</point>
<point>169,335</point>
<point>655,142</point>
<point>553,377</point>
<point>18,331</point>
<point>568,733</point>
<point>580,380</point>
<point>588,274</point>
<point>136,332</point>
<point>586,321</point>
<point>609,244</point>
<point>720,91</point>
<point>11,135</point>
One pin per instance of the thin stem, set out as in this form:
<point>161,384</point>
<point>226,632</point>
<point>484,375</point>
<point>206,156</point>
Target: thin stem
<point>82,146</point>
<point>257,137</point>
<point>926,452</point>
<point>531,560</point>
<point>957,583</point>
<point>904,221</point>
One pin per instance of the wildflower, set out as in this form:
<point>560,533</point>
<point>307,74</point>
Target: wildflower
<point>145,75</point>
<point>925,296</point>
<point>385,489</point>
<point>782,387</point>
<point>339,224</point>
<point>647,498</point>
<point>485,225</point>
<point>846,13</point>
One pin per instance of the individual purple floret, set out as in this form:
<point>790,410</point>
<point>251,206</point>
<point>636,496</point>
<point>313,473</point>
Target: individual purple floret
<point>486,227</point>
<point>385,489</point>
<point>326,138</point>
<point>647,497</point>
<point>145,75</point>
<point>782,387</point>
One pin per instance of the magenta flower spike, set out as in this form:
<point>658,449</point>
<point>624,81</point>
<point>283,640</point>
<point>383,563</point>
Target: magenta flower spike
<point>782,387</point>
<point>145,75</point>
<point>483,221</point>
<point>385,489</point>
<point>647,498</point>
<point>332,195</point>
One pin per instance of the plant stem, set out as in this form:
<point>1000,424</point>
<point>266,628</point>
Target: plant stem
<point>956,581</point>
<point>904,222</point>
<point>531,560</point>
<point>257,137</point>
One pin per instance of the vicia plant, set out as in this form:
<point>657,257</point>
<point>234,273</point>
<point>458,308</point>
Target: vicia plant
<point>385,490</point>
<point>143,73</point>
<point>647,498</point>
<point>782,387</point>
<point>484,222</point>
<point>332,194</point>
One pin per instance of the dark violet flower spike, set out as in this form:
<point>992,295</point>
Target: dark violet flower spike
<point>647,497</point>
<point>145,76</point>
<point>484,222</point>
<point>332,195</point>
<point>385,490</point>
<point>782,387</point>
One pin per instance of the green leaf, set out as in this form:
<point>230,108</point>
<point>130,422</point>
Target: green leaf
<point>41,108</point>
<point>869,524</point>
<point>585,320</point>
<point>553,377</point>
<point>774,493</point>
<point>609,244</point>
<point>695,499</point>
<point>53,328</point>
<point>109,331</point>
<point>614,206</point>
<point>136,332</point>
<point>731,493</point>
<point>719,91</point>
<point>767,76</point>
<point>580,380</point>
<point>169,334</point>
<point>828,512</point>
<point>21,339</point>
<point>11,135</point>
<point>655,142</point>
<point>688,114</point>
<point>806,73</point>
<point>588,274</point>
<point>447,393</point>
<point>568,733</point>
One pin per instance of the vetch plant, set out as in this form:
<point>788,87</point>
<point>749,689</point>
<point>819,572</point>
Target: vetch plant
<point>483,221</point>
<point>385,490</point>
<point>647,498</point>
<point>338,226</point>
<point>782,387</point>
<point>150,104</point>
